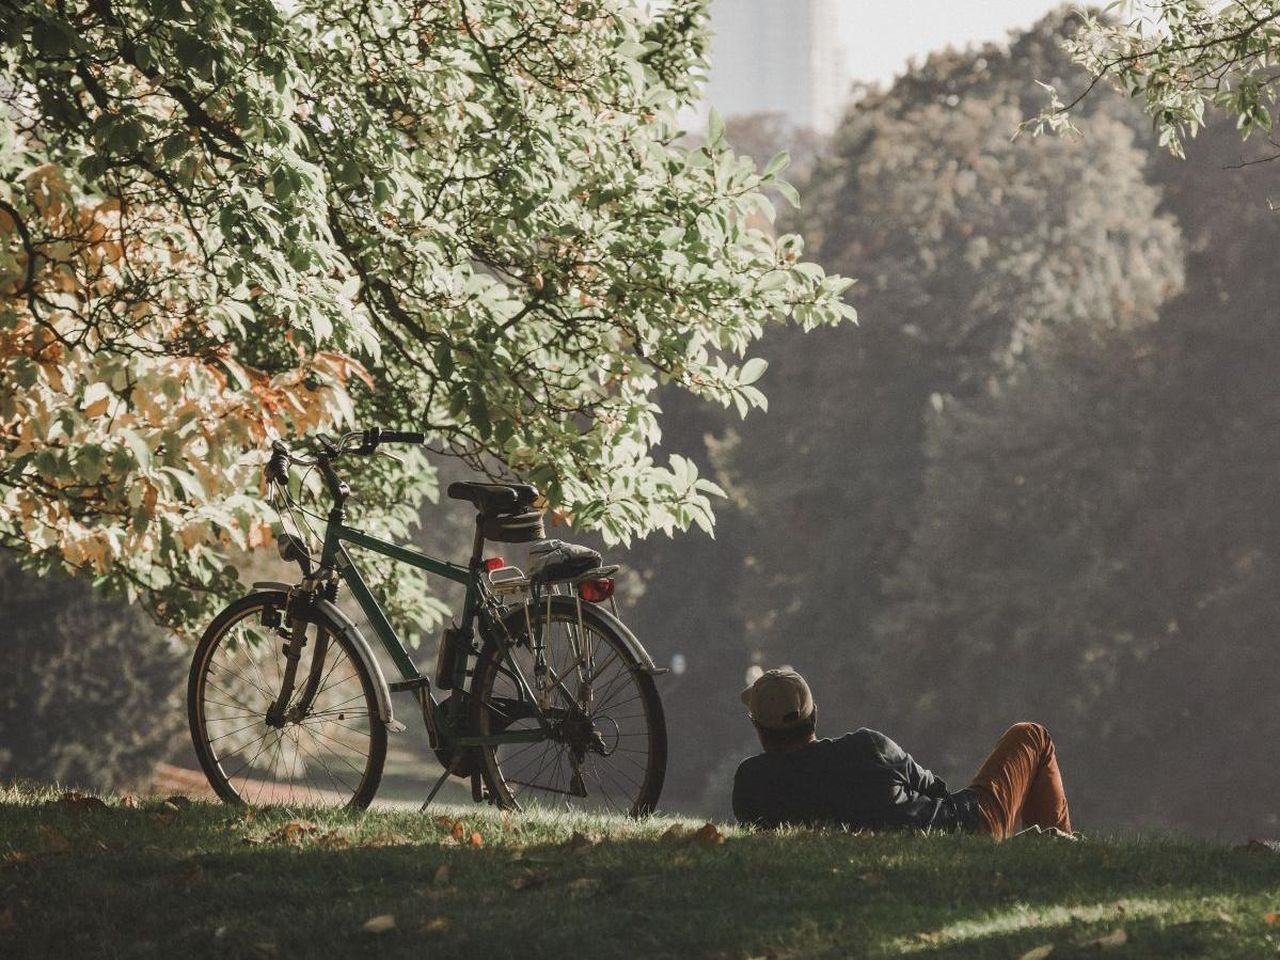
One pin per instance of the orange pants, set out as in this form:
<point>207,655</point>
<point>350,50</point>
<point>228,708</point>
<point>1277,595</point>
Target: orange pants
<point>1021,781</point>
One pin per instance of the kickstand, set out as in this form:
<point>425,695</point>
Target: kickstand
<point>434,790</point>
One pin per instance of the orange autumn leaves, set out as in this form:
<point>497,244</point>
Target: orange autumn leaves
<point>131,432</point>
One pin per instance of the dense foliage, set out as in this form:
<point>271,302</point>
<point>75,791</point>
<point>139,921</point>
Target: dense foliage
<point>88,689</point>
<point>949,534</point>
<point>1184,60</point>
<point>233,220</point>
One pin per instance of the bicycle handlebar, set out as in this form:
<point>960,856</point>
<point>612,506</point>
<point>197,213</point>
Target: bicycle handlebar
<point>281,457</point>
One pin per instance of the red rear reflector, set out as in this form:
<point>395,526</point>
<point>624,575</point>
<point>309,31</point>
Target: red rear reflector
<point>493,563</point>
<point>596,591</point>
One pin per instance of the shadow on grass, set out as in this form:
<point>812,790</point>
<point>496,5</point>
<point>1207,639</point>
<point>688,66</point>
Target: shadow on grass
<point>154,883</point>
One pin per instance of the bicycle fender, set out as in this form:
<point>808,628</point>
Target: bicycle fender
<point>632,642</point>
<point>341,623</point>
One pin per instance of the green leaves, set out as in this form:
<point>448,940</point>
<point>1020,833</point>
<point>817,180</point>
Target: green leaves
<point>336,216</point>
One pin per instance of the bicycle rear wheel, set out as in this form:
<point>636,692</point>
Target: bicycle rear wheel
<point>329,747</point>
<point>605,748</point>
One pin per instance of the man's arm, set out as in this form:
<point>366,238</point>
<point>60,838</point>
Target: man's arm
<point>919,780</point>
<point>924,781</point>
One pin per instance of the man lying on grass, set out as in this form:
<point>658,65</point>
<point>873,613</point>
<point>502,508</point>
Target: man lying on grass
<point>864,780</point>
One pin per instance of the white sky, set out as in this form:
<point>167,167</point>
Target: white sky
<point>879,36</point>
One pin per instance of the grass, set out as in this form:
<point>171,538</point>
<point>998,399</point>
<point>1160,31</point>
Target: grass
<point>81,879</point>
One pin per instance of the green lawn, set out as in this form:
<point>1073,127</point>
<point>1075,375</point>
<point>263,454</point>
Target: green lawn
<point>78,879</point>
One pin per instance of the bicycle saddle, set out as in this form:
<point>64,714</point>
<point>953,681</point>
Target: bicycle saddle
<point>494,498</point>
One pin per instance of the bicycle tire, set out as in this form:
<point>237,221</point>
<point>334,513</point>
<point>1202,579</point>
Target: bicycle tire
<point>483,717</point>
<point>198,700</point>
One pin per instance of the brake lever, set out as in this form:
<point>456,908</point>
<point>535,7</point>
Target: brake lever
<point>391,456</point>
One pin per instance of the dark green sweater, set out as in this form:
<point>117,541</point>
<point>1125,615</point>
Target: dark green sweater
<point>862,780</point>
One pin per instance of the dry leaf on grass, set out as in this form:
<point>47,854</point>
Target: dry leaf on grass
<point>1116,938</point>
<point>379,924</point>
<point>129,802</point>
<point>579,841</point>
<point>389,840</point>
<point>16,856</point>
<point>529,881</point>
<point>475,839</point>
<point>292,832</point>
<point>707,835</point>
<point>1038,953</point>
<point>333,840</point>
<point>1226,917</point>
<point>439,924</point>
<point>80,802</point>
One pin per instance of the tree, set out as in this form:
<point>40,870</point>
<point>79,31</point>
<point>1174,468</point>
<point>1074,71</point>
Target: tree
<point>87,686</point>
<point>972,254</point>
<point>1096,546</point>
<point>234,221</point>
<point>1181,58</point>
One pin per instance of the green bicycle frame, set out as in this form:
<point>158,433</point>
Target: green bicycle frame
<point>334,556</point>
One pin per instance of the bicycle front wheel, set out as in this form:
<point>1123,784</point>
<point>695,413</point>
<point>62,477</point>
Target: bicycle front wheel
<point>325,748</point>
<point>601,735</point>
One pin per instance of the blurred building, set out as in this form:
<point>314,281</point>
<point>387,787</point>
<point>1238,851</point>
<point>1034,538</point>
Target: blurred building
<point>778,56</point>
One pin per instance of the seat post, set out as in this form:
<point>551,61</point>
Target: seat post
<point>477,546</point>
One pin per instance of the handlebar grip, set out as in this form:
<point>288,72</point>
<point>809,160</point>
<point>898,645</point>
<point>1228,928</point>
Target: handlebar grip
<point>402,436</point>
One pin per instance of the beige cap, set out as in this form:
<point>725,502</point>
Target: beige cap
<point>779,699</point>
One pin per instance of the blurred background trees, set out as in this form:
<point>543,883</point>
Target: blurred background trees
<point>1038,480</point>
<point>91,692</point>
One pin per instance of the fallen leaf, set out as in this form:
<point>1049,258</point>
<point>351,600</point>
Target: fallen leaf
<point>1272,918</point>
<point>333,840</point>
<point>1116,938</point>
<point>129,802</point>
<point>441,876</point>
<point>17,856</point>
<point>80,802</point>
<point>676,833</point>
<point>379,924</point>
<point>1226,917</point>
<point>528,881</point>
<point>584,885</point>
<point>458,831</point>
<point>292,832</point>
<point>476,840</point>
<point>580,841</point>
<point>437,925</point>
<point>389,840</point>
<point>707,835</point>
<point>1038,953</point>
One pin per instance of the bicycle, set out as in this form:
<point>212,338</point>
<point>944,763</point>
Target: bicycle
<point>547,694</point>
